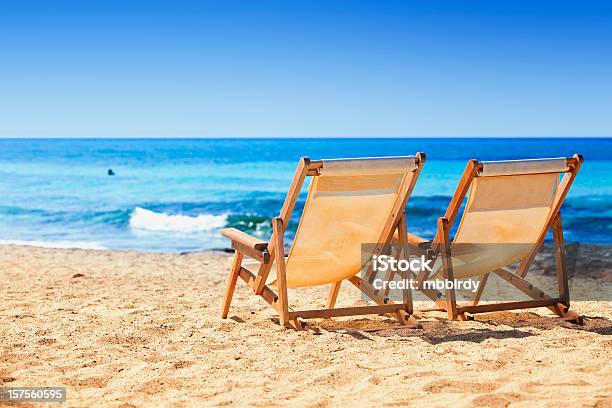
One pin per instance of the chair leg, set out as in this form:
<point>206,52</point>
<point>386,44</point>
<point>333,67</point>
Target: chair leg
<point>566,314</point>
<point>332,295</point>
<point>279,246</point>
<point>231,284</point>
<point>408,320</point>
<point>562,278</point>
<point>560,260</point>
<point>402,232</point>
<point>447,267</point>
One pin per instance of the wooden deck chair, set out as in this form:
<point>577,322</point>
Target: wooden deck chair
<point>510,208</point>
<point>350,202</point>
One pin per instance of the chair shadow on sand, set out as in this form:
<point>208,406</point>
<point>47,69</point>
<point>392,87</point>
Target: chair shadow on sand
<point>438,330</point>
<point>595,324</point>
<point>433,331</point>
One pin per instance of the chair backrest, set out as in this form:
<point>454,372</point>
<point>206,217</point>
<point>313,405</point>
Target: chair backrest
<point>349,203</point>
<point>509,207</point>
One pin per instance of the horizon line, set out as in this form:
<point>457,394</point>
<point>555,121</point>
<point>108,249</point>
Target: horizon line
<point>288,137</point>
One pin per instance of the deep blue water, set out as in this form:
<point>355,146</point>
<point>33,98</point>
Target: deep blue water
<point>174,195</point>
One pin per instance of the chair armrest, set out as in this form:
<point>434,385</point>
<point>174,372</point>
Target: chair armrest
<point>247,244</point>
<point>244,238</point>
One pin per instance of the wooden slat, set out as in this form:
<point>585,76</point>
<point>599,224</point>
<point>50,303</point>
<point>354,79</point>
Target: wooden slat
<point>314,168</point>
<point>495,307</point>
<point>560,260</point>
<point>333,294</point>
<point>521,284</point>
<point>244,238</point>
<point>398,208</point>
<point>285,215</point>
<point>367,288</point>
<point>400,205</point>
<point>430,293</point>
<point>277,226</point>
<point>347,311</point>
<point>481,288</point>
<point>315,165</point>
<point>462,189</point>
<point>562,190</point>
<point>432,309</point>
<point>447,265</point>
<point>575,161</point>
<point>402,229</point>
<point>294,190</point>
<point>231,284</point>
<point>538,294</point>
<point>267,294</point>
<point>455,204</point>
<point>403,315</point>
<point>261,256</point>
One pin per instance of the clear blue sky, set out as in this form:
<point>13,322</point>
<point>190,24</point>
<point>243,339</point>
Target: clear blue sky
<point>311,68</point>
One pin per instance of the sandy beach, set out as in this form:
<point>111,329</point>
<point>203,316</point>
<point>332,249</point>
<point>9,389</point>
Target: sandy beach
<point>125,329</point>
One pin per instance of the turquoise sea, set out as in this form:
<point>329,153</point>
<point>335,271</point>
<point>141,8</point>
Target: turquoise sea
<point>174,195</point>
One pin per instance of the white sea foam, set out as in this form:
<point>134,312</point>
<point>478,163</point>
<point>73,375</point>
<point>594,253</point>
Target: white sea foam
<point>56,244</point>
<point>143,219</point>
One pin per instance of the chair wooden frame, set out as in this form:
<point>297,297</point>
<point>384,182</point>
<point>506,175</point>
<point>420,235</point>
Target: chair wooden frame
<point>268,253</point>
<point>440,246</point>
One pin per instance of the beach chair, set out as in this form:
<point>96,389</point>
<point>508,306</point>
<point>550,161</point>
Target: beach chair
<point>350,202</point>
<point>510,208</point>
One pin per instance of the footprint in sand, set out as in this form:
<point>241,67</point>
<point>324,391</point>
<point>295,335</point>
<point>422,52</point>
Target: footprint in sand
<point>420,374</point>
<point>160,385</point>
<point>440,386</point>
<point>536,387</point>
<point>500,400</point>
<point>91,382</point>
<point>122,340</point>
<point>182,364</point>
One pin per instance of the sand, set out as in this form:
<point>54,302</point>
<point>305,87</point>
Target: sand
<point>124,329</point>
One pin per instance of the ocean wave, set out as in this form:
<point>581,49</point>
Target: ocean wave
<point>56,244</point>
<point>143,219</point>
